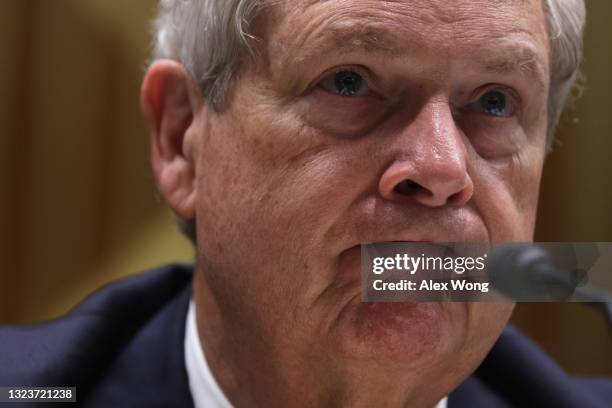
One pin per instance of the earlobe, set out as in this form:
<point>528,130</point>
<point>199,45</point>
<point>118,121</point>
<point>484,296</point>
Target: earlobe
<point>169,111</point>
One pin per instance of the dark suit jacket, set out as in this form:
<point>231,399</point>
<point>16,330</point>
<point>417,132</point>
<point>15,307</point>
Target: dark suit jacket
<point>123,347</point>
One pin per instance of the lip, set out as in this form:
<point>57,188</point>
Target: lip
<point>351,272</point>
<point>353,253</point>
<point>435,246</point>
<point>350,258</point>
<point>373,222</point>
<point>383,241</point>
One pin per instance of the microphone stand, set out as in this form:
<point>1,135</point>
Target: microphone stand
<point>596,299</point>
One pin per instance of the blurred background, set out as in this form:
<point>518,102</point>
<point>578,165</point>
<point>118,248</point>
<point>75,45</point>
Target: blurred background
<point>79,207</point>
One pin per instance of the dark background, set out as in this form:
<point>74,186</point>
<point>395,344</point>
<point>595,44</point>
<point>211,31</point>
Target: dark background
<point>78,204</point>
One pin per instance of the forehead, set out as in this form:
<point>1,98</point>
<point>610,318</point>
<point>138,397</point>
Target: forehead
<point>422,17</point>
<point>405,28</point>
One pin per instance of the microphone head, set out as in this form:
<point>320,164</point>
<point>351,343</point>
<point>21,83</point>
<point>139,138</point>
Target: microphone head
<point>527,272</point>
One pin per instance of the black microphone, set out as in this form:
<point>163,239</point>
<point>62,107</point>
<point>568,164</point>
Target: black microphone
<point>527,272</point>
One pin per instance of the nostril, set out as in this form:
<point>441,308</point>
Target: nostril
<point>407,187</point>
<point>463,196</point>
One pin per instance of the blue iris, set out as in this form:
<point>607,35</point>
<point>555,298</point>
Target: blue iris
<point>494,103</point>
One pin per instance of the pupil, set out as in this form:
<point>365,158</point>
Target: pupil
<point>347,82</point>
<point>494,103</point>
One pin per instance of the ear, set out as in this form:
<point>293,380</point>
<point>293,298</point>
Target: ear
<point>169,105</point>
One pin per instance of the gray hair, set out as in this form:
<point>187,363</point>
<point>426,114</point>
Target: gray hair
<point>211,37</point>
<point>566,20</point>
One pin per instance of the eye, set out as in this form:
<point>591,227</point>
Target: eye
<point>346,83</point>
<point>495,103</point>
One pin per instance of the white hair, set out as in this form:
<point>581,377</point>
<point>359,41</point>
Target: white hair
<point>212,37</point>
<point>208,37</point>
<point>566,20</point>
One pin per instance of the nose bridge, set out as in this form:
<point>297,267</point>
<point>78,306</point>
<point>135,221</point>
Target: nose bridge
<point>435,138</point>
<point>430,165</point>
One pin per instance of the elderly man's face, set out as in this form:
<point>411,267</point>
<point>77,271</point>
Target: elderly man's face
<point>369,121</point>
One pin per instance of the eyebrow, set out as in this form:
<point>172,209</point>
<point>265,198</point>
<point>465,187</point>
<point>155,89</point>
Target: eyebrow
<point>351,38</point>
<point>520,59</point>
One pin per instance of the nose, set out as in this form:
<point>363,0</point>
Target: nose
<point>430,162</point>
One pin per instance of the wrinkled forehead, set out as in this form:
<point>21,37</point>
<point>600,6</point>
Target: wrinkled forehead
<point>406,27</point>
<point>445,15</point>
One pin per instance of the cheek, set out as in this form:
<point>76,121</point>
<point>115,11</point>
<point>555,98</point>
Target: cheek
<point>265,200</point>
<point>263,192</point>
<point>507,195</point>
<point>278,175</point>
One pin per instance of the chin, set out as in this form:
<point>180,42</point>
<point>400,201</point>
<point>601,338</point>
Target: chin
<point>411,334</point>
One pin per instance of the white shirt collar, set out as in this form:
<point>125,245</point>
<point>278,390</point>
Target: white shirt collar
<point>205,390</point>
